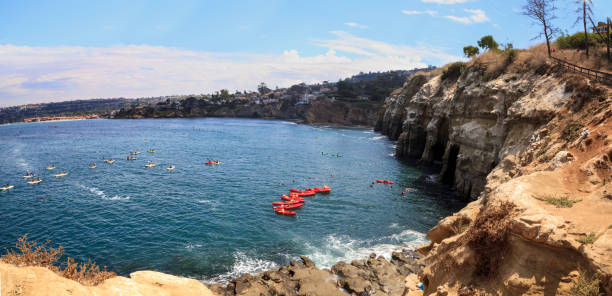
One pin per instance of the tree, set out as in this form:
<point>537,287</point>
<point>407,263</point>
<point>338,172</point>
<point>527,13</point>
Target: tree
<point>470,51</point>
<point>542,12</point>
<point>225,95</point>
<point>263,88</point>
<point>585,10</point>
<point>488,43</point>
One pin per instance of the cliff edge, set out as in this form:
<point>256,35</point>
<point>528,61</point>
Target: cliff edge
<point>42,281</point>
<point>530,144</point>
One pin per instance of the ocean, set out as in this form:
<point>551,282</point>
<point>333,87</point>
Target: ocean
<point>216,222</point>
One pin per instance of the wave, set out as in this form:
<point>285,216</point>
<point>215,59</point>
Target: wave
<point>343,248</point>
<point>377,138</point>
<point>191,246</point>
<point>103,195</point>
<point>243,264</point>
<point>432,179</point>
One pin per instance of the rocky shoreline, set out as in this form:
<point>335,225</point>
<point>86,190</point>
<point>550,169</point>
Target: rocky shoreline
<point>374,275</point>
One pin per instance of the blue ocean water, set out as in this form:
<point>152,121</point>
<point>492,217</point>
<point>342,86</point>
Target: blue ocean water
<point>211,222</point>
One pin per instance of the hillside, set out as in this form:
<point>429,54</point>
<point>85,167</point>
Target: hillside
<point>528,142</point>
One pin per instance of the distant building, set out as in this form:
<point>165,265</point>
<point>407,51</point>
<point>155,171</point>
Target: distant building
<point>601,28</point>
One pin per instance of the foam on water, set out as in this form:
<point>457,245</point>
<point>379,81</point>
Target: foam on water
<point>243,264</point>
<point>103,195</point>
<point>377,138</point>
<point>343,248</point>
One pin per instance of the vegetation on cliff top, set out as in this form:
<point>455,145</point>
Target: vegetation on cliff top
<point>30,253</point>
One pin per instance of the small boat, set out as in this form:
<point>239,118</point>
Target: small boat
<point>292,198</point>
<point>34,181</point>
<point>131,158</point>
<point>7,187</point>
<point>295,190</point>
<point>134,153</point>
<point>210,162</point>
<point>93,166</point>
<point>150,165</point>
<point>27,176</point>
<point>281,203</point>
<point>306,193</point>
<point>61,174</point>
<point>285,212</point>
<point>50,167</point>
<point>170,168</point>
<point>151,150</point>
<point>384,181</point>
<point>288,207</point>
<point>110,161</point>
<point>325,189</point>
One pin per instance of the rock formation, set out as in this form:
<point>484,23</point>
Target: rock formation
<point>530,144</point>
<point>374,276</point>
<point>42,281</point>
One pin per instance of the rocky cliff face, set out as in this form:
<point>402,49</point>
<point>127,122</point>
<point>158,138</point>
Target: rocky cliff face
<point>531,145</point>
<point>468,122</point>
<point>320,111</point>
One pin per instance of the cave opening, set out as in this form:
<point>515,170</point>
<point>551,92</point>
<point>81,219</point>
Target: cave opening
<point>451,165</point>
<point>439,147</point>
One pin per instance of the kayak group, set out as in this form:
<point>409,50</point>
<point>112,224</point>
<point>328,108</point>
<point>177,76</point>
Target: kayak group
<point>32,179</point>
<point>295,199</point>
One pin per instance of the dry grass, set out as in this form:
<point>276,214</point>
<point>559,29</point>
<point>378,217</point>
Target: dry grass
<point>488,238</point>
<point>460,226</point>
<point>595,61</point>
<point>30,253</point>
<point>585,285</point>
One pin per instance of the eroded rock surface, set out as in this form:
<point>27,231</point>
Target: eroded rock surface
<point>374,276</point>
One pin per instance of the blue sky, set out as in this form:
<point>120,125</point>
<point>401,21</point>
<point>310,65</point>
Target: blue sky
<point>59,50</point>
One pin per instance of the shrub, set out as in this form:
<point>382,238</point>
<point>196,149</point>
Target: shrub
<point>454,70</point>
<point>585,285</point>
<point>30,253</point>
<point>576,41</point>
<point>558,201</point>
<point>588,239</point>
<point>488,43</point>
<point>571,131</point>
<point>470,51</point>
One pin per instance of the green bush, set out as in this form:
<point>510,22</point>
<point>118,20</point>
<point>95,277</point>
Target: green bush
<point>587,239</point>
<point>558,201</point>
<point>454,70</point>
<point>576,41</point>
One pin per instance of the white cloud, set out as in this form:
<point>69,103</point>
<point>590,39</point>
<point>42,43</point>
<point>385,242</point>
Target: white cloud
<point>416,12</point>
<point>41,74</point>
<point>476,16</point>
<point>445,1</point>
<point>356,25</point>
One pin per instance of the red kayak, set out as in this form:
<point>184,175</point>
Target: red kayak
<point>296,190</point>
<point>285,212</point>
<point>384,181</point>
<point>307,193</point>
<point>287,207</point>
<point>282,203</point>
<point>292,198</point>
<point>325,189</point>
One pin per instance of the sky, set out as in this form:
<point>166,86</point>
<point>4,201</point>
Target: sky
<point>65,50</point>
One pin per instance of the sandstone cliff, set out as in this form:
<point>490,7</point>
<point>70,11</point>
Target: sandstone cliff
<point>531,144</point>
<point>40,281</point>
<point>320,111</point>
